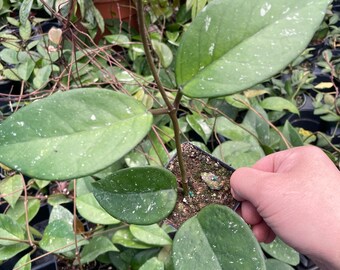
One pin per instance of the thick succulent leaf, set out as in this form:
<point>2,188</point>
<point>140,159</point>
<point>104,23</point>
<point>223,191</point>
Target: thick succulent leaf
<point>7,252</point>
<point>18,212</point>
<point>232,45</point>
<point>61,213</point>
<point>90,209</point>
<point>278,104</point>
<point>72,134</point>
<point>10,231</point>
<point>281,251</point>
<point>11,188</point>
<point>59,237</point>
<point>97,246</point>
<point>216,238</point>
<point>24,263</point>
<point>141,195</point>
<point>272,264</point>
<point>151,234</point>
<point>152,264</point>
<point>238,154</point>
<point>125,238</point>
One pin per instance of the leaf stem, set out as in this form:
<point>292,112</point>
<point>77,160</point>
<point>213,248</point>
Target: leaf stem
<point>171,108</point>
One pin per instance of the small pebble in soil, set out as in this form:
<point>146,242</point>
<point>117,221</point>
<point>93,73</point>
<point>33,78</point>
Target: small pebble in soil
<point>212,181</point>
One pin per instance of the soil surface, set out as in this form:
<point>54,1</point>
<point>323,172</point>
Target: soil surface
<point>208,180</point>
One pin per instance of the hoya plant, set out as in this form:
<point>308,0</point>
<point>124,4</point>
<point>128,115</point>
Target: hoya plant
<point>74,135</point>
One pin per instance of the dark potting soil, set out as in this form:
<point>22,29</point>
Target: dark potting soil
<point>208,180</point>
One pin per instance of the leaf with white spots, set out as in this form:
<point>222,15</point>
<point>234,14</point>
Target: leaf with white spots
<point>125,238</point>
<point>10,231</point>
<point>151,234</point>
<point>97,246</point>
<point>281,251</point>
<point>152,264</point>
<point>141,195</point>
<point>233,45</point>
<point>216,238</point>
<point>72,134</point>
<point>11,188</point>
<point>59,237</point>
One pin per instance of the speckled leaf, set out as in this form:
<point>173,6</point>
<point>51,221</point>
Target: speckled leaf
<point>281,251</point>
<point>216,238</point>
<point>90,209</point>
<point>18,212</point>
<point>97,246</point>
<point>163,52</point>
<point>58,237</point>
<point>72,134</point>
<point>125,238</point>
<point>7,252</point>
<point>24,263</point>
<point>61,213</point>
<point>10,229</point>
<point>151,234</point>
<point>141,195</point>
<point>238,154</point>
<point>278,104</point>
<point>11,188</point>
<point>57,199</point>
<point>152,264</point>
<point>202,126</point>
<point>272,264</point>
<point>24,11</point>
<point>232,45</point>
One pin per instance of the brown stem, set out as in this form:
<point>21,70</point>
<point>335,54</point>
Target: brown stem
<point>172,108</point>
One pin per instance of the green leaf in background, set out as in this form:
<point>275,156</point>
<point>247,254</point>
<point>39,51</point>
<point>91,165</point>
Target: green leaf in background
<point>42,76</point>
<point>24,263</point>
<point>151,234</point>
<point>61,213</point>
<point>57,199</point>
<point>238,154</point>
<point>89,208</point>
<point>11,188</point>
<point>291,134</point>
<point>97,246</point>
<point>231,130</point>
<point>216,238</point>
<point>10,229</point>
<point>125,238</point>
<point>141,195</point>
<point>25,30</point>
<point>72,134</point>
<point>18,213</point>
<point>120,40</point>
<point>7,252</point>
<point>278,104</point>
<point>59,237</point>
<point>200,125</point>
<point>152,264</point>
<point>233,45</point>
<point>25,69</point>
<point>281,251</point>
<point>163,52</point>
<point>272,264</point>
<point>24,11</point>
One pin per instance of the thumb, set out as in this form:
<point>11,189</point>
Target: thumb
<point>249,184</point>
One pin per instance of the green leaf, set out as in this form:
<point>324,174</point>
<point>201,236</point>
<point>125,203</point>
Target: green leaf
<point>9,229</point>
<point>142,195</point>
<point>11,74</point>
<point>89,208</point>
<point>11,188</point>
<point>272,264</point>
<point>84,185</point>
<point>151,234</point>
<point>152,264</point>
<point>200,125</point>
<point>42,76</point>
<point>163,52</point>
<point>216,238</point>
<point>24,11</point>
<point>18,212</point>
<point>80,132</point>
<point>59,237</point>
<point>97,246</point>
<point>61,213</point>
<point>24,263</point>
<point>7,252</point>
<point>238,154</point>
<point>231,130</point>
<point>9,56</point>
<point>281,251</point>
<point>278,104</point>
<point>233,45</point>
<point>25,30</point>
<point>291,134</point>
<point>25,69</point>
<point>120,40</point>
<point>125,238</point>
<point>9,41</point>
<point>57,199</point>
